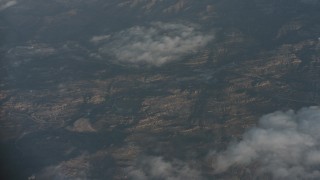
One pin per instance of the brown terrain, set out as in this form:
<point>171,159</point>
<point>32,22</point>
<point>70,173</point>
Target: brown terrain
<point>65,110</point>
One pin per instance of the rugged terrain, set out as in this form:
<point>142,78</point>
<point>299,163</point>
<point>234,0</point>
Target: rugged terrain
<point>70,111</point>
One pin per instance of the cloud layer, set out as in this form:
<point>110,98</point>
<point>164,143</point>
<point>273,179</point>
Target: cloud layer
<point>156,44</point>
<point>284,144</point>
<point>157,168</point>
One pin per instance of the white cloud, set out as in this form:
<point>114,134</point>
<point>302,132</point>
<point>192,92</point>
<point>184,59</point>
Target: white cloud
<point>6,4</point>
<point>284,144</point>
<point>157,168</point>
<point>97,39</point>
<point>156,44</point>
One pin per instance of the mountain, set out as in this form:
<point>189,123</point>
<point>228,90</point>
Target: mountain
<point>156,89</point>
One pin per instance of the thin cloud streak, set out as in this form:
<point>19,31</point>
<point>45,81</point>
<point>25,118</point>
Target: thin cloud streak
<point>5,5</point>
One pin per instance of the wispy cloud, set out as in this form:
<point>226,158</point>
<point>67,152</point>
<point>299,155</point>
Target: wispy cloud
<point>155,44</point>
<point>284,144</point>
<point>6,4</point>
<point>77,168</point>
<point>157,168</point>
<point>98,39</point>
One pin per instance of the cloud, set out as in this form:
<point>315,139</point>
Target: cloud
<point>6,4</point>
<point>284,144</point>
<point>81,125</point>
<point>157,168</point>
<point>77,168</point>
<point>156,44</point>
<point>97,39</point>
